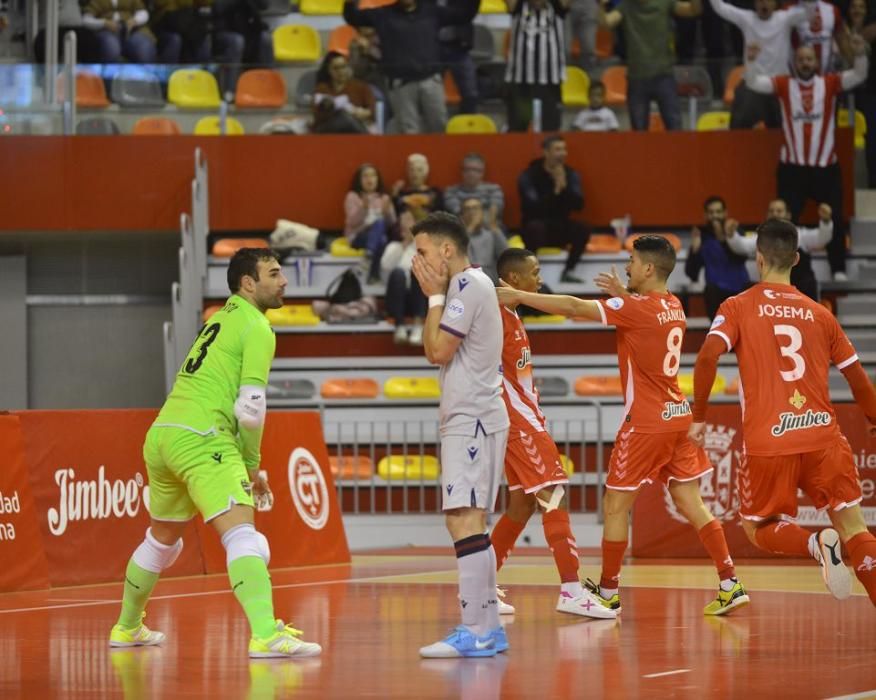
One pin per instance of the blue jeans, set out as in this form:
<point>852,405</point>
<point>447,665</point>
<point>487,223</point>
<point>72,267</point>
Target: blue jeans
<point>663,90</point>
<point>403,299</point>
<point>372,239</point>
<point>137,47</point>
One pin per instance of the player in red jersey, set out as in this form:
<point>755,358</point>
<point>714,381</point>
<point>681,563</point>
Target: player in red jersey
<point>536,478</point>
<point>785,343</point>
<point>652,442</point>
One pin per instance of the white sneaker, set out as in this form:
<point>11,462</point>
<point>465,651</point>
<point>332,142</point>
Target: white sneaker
<point>833,570</point>
<point>504,608</point>
<point>585,605</point>
<point>400,337</point>
<point>285,642</point>
<point>416,336</point>
<point>840,277</point>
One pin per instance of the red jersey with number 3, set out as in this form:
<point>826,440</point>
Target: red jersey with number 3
<point>785,344</point>
<point>650,330</point>
<point>519,392</point>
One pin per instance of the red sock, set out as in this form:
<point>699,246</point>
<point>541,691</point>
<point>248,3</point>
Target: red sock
<point>503,537</point>
<point>783,538</point>
<point>612,557</point>
<point>712,536</point>
<point>558,533</point>
<point>862,550</point>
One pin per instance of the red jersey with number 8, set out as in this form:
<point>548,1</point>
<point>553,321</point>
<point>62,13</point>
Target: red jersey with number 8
<point>650,331</point>
<point>785,344</point>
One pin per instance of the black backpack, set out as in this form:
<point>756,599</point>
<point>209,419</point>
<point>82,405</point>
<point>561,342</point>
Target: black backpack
<point>344,288</point>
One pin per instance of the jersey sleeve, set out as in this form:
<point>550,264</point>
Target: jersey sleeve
<point>726,323</point>
<point>780,85</point>
<point>842,352</point>
<point>259,343</point>
<point>464,300</point>
<point>622,312</point>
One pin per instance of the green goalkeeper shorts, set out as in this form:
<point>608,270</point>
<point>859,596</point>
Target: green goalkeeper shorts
<point>189,472</point>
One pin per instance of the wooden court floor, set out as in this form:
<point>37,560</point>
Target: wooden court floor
<point>793,641</point>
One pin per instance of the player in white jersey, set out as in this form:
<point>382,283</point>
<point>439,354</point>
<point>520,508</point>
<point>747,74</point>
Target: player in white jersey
<point>463,334</point>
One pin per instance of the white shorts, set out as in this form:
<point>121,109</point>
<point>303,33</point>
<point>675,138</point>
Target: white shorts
<point>471,468</point>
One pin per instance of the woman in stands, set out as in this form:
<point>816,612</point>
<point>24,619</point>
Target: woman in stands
<point>369,214</point>
<point>341,104</point>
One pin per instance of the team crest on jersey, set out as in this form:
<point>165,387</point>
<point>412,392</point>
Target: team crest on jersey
<point>716,487</point>
<point>719,319</point>
<point>615,303</point>
<point>797,400</point>
<point>455,308</point>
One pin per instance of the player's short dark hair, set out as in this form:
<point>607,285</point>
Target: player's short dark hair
<point>246,262</point>
<point>551,140</point>
<point>658,251</point>
<point>512,259</point>
<point>714,199</point>
<point>596,85</point>
<point>777,243</point>
<point>440,224</point>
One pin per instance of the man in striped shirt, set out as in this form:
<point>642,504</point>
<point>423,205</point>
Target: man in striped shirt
<point>808,166</point>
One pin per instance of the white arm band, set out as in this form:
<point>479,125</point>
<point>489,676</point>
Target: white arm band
<point>251,406</point>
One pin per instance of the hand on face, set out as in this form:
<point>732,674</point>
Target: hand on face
<point>431,281</point>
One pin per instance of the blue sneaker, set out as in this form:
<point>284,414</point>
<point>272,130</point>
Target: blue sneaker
<point>461,642</point>
<point>500,641</point>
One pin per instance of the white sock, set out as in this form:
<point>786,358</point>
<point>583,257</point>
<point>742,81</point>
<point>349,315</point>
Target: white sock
<point>727,584</point>
<point>477,571</point>
<point>572,588</point>
<point>607,593</point>
<point>489,619</point>
<point>814,552</point>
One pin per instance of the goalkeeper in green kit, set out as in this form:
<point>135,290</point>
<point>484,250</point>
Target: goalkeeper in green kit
<point>202,454</point>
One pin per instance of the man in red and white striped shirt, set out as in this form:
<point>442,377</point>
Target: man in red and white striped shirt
<point>808,166</point>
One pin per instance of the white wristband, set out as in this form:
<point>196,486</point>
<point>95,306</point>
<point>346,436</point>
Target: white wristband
<point>437,300</point>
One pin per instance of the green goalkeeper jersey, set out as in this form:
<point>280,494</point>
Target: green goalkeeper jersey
<point>234,348</point>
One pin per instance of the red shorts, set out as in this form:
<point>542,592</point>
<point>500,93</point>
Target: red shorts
<point>532,462</point>
<point>641,458</point>
<point>768,485</point>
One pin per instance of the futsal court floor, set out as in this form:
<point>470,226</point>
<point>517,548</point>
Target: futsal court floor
<point>793,641</point>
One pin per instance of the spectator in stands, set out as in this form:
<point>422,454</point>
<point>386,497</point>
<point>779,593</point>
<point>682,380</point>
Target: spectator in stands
<point>726,274</point>
<point>365,57</point>
<point>648,40</point>
<point>711,29</point>
<point>536,62</point>
<point>860,21</point>
<point>341,104</point>
<point>416,194</point>
<point>821,30</point>
<point>69,20</point>
<point>489,193</point>
<point>239,33</point>
<point>457,41</point>
<point>369,214</point>
<point>808,105</point>
<point>121,30</point>
<point>549,192</point>
<point>404,299</point>
<point>770,30</point>
<point>411,56</point>
<point>596,117</point>
<point>582,23</point>
<point>485,242</point>
<point>183,30</point>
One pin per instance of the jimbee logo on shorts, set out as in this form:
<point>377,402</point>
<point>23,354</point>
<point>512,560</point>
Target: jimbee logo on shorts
<point>308,489</point>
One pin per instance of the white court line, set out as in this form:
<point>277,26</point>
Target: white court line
<point>856,696</point>
<point>667,673</point>
<point>116,601</point>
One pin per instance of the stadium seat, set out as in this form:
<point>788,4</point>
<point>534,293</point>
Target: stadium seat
<point>211,126</point>
<point>603,243</point>
<point>293,315</point>
<point>471,124</point>
<point>193,89</point>
<point>713,121</point>
<point>551,386</point>
<point>693,81</point>
<point>685,383</point>
<point>340,248</point>
<point>655,122</point>
<point>671,237</point>
<point>321,7</point>
<point>340,37</point>
<point>97,126</point>
<point>604,43</point>
<point>411,388</point>
<point>297,43</point>
<point>137,88</point>
<point>734,77</point>
<point>842,121</point>
<point>90,92</point>
<point>484,48</point>
<point>451,92</point>
<point>304,89</point>
<point>261,87</point>
<point>291,389</point>
<point>516,241</point>
<point>349,388</point>
<point>732,388</point>
<point>575,88</point>
<point>549,250</point>
<point>599,385</point>
<point>492,7</point>
<point>210,310</point>
<point>420,467</point>
<point>568,464</point>
<point>151,126</point>
<point>276,8</point>
<point>351,467</point>
<point>543,319</point>
<point>226,247</point>
<point>615,80</point>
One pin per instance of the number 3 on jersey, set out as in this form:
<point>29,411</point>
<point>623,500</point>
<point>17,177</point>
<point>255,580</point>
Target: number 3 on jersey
<point>207,336</point>
<point>790,351</point>
<point>672,360</point>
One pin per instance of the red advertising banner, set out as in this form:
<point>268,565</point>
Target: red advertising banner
<point>659,530</point>
<point>304,525</point>
<point>21,549</point>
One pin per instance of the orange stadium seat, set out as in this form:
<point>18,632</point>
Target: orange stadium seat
<point>604,243</point>
<point>150,126</point>
<point>598,386</point>
<point>655,122</point>
<point>349,388</point>
<point>226,247</point>
<point>733,79</point>
<point>90,91</point>
<point>351,466</point>
<point>671,237</point>
<point>451,92</point>
<point>261,87</point>
<point>210,310</point>
<point>615,80</point>
<point>732,388</point>
<point>604,43</point>
<point>340,38</point>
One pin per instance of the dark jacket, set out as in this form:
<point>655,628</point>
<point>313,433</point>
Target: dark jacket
<point>724,268</point>
<point>537,198</point>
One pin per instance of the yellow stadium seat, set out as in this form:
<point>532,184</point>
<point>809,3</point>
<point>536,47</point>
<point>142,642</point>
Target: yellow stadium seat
<point>349,388</point>
<point>321,7</point>
<point>685,383</point>
<point>576,87</point>
<point>599,386</point>
<point>193,89</point>
<point>713,121</point>
<point>471,124</point>
<point>297,43</point>
<point>568,465</point>
<point>842,120</point>
<point>351,467</point>
<point>210,126</point>
<point>411,388</point>
<point>226,247</point>
<point>543,319</point>
<point>603,243</point>
<point>293,315</point>
<point>341,248</point>
<point>516,241</point>
<point>492,7</point>
<point>423,467</point>
<point>549,250</point>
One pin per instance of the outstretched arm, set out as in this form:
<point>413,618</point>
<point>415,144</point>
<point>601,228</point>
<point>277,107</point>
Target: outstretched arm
<point>705,370</point>
<point>560,304</point>
<point>858,72</point>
